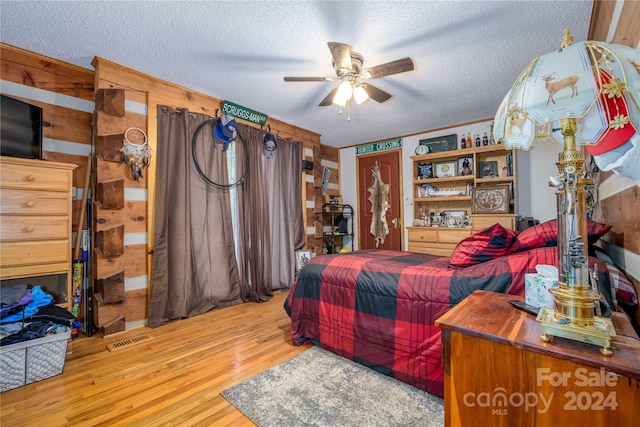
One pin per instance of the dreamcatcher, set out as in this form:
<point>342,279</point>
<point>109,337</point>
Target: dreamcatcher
<point>136,155</point>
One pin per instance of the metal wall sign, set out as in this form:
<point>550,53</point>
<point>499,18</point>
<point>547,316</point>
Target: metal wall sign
<point>390,144</point>
<point>243,113</point>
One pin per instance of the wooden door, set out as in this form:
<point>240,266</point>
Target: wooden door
<point>390,171</point>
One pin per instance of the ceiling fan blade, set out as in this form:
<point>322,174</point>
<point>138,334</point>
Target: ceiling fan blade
<point>375,93</point>
<point>341,57</point>
<point>393,67</point>
<point>307,79</point>
<point>328,100</point>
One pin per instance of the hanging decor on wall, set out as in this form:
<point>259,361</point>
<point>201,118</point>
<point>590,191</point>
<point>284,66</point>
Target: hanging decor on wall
<point>224,133</point>
<point>136,155</point>
<point>379,199</point>
<point>325,179</point>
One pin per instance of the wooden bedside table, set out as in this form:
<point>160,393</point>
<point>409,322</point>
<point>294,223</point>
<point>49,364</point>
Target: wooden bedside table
<point>499,373</point>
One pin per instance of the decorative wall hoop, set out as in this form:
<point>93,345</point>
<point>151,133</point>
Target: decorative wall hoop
<point>135,155</point>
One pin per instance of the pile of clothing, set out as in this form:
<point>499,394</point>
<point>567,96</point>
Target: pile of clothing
<point>30,313</point>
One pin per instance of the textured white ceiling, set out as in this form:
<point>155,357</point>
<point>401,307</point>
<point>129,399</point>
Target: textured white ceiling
<point>468,53</point>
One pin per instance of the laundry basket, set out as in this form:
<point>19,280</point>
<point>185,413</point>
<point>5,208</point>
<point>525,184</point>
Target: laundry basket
<point>33,360</point>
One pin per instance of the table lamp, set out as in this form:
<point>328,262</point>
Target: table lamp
<point>584,94</point>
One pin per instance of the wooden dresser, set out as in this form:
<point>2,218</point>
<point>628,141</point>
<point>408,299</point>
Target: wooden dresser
<point>35,224</point>
<point>499,373</point>
<point>442,240</point>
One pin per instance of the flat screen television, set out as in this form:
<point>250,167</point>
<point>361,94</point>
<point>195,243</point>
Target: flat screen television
<point>20,129</point>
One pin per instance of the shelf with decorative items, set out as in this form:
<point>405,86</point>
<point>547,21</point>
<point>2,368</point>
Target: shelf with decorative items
<point>337,228</point>
<point>458,192</point>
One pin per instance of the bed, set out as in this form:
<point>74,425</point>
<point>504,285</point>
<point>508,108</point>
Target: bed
<point>378,307</point>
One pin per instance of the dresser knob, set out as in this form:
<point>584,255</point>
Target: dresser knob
<point>30,203</point>
<point>29,229</point>
<point>31,178</point>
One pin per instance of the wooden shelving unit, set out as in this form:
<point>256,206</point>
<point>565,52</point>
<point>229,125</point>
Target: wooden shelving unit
<point>441,239</point>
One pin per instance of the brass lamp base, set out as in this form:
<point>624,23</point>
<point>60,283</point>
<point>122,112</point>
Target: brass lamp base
<point>599,332</point>
<point>575,304</point>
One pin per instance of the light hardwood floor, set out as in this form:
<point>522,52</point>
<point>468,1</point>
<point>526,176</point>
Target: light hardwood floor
<point>175,379</point>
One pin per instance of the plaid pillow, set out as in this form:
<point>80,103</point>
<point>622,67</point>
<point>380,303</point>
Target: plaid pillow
<point>625,292</point>
<point>546,234</point>
<point>487,244</point>
<point>621,286</point>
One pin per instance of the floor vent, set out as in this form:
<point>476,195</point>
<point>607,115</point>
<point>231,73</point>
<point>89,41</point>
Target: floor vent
<point>119,345</point>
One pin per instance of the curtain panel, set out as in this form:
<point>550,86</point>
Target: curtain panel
<point>269,209</point>
<point>194,266</point>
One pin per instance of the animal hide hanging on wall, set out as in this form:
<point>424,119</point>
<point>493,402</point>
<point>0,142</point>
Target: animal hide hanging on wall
<point>379,199</point>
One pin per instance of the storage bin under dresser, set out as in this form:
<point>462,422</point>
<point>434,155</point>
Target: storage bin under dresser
<point>35,223</point>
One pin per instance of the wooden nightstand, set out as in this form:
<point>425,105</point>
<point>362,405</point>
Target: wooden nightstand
<point>499,373</point>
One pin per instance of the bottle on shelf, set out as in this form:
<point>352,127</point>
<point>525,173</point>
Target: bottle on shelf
<point>477,140</point>
<point>485,139</point>
<point>463,142</point>
<point>469,140</point>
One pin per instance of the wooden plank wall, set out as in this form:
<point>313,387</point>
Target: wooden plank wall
<point>619,198</point>
<point>146,92</point>
<point>65,94</point>
<point>130,310</point>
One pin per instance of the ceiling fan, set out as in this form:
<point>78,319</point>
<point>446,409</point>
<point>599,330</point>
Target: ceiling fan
<point>349,71</point>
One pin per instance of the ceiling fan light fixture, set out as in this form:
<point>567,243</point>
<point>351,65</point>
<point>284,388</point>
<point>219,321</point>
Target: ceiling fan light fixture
<point>344,93</point>
<point>360,94</point>
<point>348,66</point>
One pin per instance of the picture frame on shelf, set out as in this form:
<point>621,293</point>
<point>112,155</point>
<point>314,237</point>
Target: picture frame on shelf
<point>490,200</point>
<point>465,166</point>
<point>445,169</point>
<point>456,213</point>
<point>441,143</point>
<point>455,218</point>
<point>488,169</point>
<point>302,258</point>
<point>435,219</point>
<point>425,170</point>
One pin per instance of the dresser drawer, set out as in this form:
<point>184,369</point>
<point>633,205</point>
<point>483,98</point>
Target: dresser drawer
<point>430,248</point>
<point>34,253</point>
<point>453,235</point>
<point>21,202</point>
<point>34,178</point>
<point>34,228</point>
<point>423,235</point>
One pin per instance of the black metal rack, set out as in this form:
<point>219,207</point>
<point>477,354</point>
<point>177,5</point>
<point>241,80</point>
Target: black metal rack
<point>337,222</point>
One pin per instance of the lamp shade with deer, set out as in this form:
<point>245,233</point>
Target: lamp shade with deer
<point>595,83</point>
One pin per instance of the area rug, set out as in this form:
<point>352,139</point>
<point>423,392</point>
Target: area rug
<point>319,388</point>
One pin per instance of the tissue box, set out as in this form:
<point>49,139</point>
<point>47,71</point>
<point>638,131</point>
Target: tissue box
<point>536,290</point>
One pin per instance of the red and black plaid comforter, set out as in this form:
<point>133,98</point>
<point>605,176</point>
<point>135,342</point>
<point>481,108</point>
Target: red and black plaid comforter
<point>377,307</point>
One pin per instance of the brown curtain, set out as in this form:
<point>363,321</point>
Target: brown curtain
<point>269,209</point>
<point>194,265</point>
